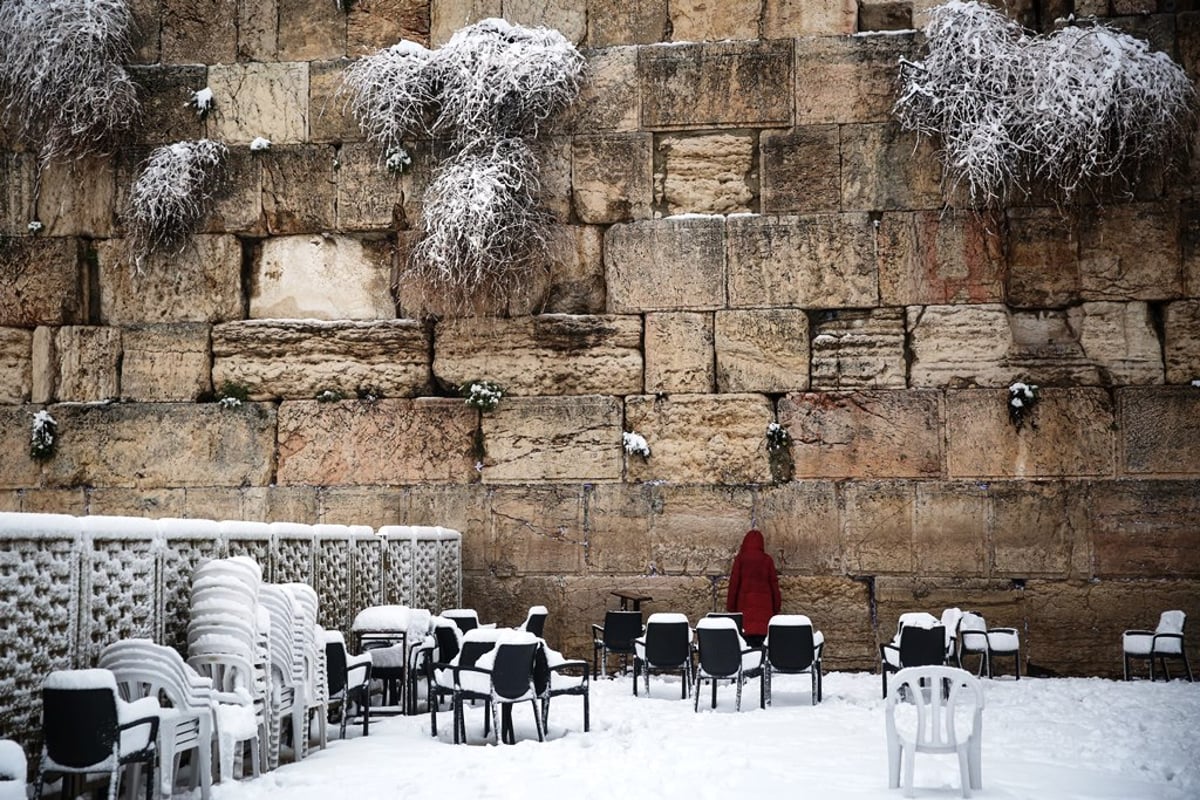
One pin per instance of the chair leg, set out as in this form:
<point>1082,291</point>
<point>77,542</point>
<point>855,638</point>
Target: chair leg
<point>696,695</point>
<point>964,772</point>
<point>586,714</point>
<point>737,695</point>
<point>41,777</point>
<point>894,765</point>
<point>714,693</point>
<point>636,667</point>
<point>909,764</point>
<point>150,793</point>
<point>537,723</point>
<point>1186,666</point>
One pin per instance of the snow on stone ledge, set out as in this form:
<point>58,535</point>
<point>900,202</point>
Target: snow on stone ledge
<point>18,525</point>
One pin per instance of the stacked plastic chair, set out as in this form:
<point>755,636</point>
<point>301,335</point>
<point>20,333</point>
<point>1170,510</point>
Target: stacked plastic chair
<point>286,659</point>
<point>310,642</point>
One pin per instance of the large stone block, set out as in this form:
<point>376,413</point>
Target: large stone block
<point>700,438</point>
<point>165,362</point>
<point>322,277</point>
<point>931,257</point>
<point>238,207</point>
<point>612,177</point>
<point>313,29</point>
<point>329,117</point>
<point>258,30</point>
<point>17,469</point>
<point>674,264</point>
<point>1130,252</point>
<point>535,530</point>
<point>464,507</point>
<point>810,261</point>
<point>165,94</point>
<point>372,25</point>
<point>877,526</point>
<point>568,17</point>
<point>614,22</point>
<point>679,353</point>
<point>706,174</point>
<point>840,607</point>
<point>203,283</point>
<point>16,191</point>
<point>387,442</point>
<point>800,522</point>
<point>709,21</point>
<point>696,530</point>
<point>45,365</point>
<point>300,190</point>
<point>618,527</point>
<point>1189,236</point>
<point>1145,528</point>
<point>950,522</point>
<point>1043,258</point>
<point>864,434</point>
<point>448,16</point>
<point>884,167</point>
<point>854,349</point>
<point>1121,341</point>
<point>1160,430</point>
<point>801,169</point>
<point>762,350</point>
<point>1040,529</point>
<point>298,360</point>
<point>88,359</point>
<point>555,165</point>
<point>577,273</point>
<point>368,194</point>
<point>847,78</point>
<point>41,282</point>
<point>16,365</point>
<point>608,101</point>
<point>199,31</point>
<point>254,99</point>
<point>550,439</point>
<point>1069,432</point>
<point>150,445</point>
<point>1181,341</point>
<point>362,505</point>
<point>145,33</point>
<point>78,198</point>
<point>715,85</point>
<point>148,502</point>
<point>787,18</point>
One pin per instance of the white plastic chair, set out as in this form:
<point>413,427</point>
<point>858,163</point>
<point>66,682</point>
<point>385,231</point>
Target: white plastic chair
<point>937,693</point>
<point>1165,641</point>
<point>976,638</point>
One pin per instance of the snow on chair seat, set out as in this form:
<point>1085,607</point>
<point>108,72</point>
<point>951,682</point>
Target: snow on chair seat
<point>1163,643</point>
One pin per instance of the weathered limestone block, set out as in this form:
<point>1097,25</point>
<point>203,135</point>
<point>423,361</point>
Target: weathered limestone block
<point>884,167</point>
<point>548,439</point>
<point>88,359</point>
<point>298,360</point>
<point>165,94</point>
<point>950,523</point>
<point>577,273</point>
<point>329,117</point>
<point>1069,432</point>
<point>1130,252</point>
<point>679,353</point>
<point>848,78</point>
<point>549,354</point>
<point>372,25</point>
<point>16,191</point>
<point>201,284</point>
<point>359,505</point>
<point>165,362</point>
<point>41,282</point>
<point>555,160</point>
<point>854,349</point>
<point>258,30</point>
<point>696,530</point>
<point>1145,528</point>
<point>148,502</point>
<point>839,607</point>
<point>1160,430</point>
<point>300,190</point>
<point>199,31</point>
<point>874,15</point>
<point>1181,345</point>
<point>322,277</point>
<point>717,84</point>
<point>666,264</point>
<point>618,527</point>
<point>700,438</point>
<point>163,444</point>
<point>238,208</point>
<point>608,101</point>
<point>535,530</point>
<point>614,22</point>
<point>786,18</point>
<point>463,507</point>
<point>714,20</point>
<point>145,32</point>
<point>810,261</point>
<point>16,365</point>
<point>448,16</point>
<point>762,350</point>
<point>17,469</point>
<point>254,99</point>
<point>368,194</point>
<point>568,17</point>
<point>612,177</point>
<point>801,169</point>
<point>1120,339</point>
<point>75,501</point>
<point>800,522</point>
<point>45,365</point>
<point>1043,258</point>
<point>877,526</point>
<point>78,198</point>
<point>893,434</point>
<point>388,442</point>
<point>931,257</point>
<point>706,174</point>
<point>311,29</point>
<point>1189,234</point>
<point>960,346</point>
<point>1039,529</point>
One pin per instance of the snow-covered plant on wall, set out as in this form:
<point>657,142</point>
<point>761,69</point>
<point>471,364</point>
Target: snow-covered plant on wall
<point>483,395</point>
<point>62,86</point>
<point>390,93</point>
<point>44,436</point>
<point>1022,397</point>
<point>1015,110</point>
<point>202,101</point>
<point>172,194</point>
<point>779,453</point>
<point>635,444</point>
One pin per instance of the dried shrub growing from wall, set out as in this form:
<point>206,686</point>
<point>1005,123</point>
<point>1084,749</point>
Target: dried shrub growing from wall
<point>1015,110</point>
<point>389,93</point>
<point>172,194</point>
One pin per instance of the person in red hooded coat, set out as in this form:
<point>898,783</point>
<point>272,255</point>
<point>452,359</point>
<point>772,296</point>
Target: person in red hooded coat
<point>754,588</point>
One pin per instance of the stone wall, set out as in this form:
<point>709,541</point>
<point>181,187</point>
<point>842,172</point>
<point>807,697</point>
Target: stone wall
<point>747,238</point>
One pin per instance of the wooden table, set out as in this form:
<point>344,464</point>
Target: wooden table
<point>634,596</point>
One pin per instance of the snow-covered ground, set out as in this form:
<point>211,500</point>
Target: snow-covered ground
<point>1058,738</point>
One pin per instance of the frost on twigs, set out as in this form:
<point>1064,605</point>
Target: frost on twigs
<point>390,93</point>
<point>172,194</point>
<point>1015,110</point>
<point>62,86</point>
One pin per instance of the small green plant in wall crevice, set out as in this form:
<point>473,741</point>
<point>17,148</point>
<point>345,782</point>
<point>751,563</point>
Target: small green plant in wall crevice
<point>232,394</point>
<point>779,453</point>
<point>483,395</point>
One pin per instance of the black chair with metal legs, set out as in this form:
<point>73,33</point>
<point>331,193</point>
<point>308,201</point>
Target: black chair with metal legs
<point>793,648</point>
<point>918,647</point>
<point>725,656</point>
<point>501,678</point>
<point>349,682</point>
<point>615,636</point>
<point>665,647</point>
<point>555,676</point>
<point>1163,643</point>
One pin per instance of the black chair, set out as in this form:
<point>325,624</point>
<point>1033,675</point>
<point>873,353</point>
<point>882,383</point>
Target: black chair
<point>82,732</point>
<point>446,679</point>
<point>465,618</point>
<point>349,682</point>
<point>555,676</point>
<point>665,647</point>
<point>736,616</point>
<point>725,656</point>
<point>918,647</point>
<point>509,680</point>
<point>535,621</point>
<point>616,635</point>
<point>392,676</point>
<point>793,648</point>
<point>1162,643</point>
<point>444,651</point>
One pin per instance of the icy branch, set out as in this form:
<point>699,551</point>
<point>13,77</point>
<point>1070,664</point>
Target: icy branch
<point>172,194</point>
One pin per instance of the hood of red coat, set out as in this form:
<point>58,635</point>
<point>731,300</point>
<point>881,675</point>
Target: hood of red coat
<point>753,541</point>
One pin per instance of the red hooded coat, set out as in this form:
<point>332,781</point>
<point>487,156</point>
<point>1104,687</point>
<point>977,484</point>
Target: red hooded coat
<point>754,586</point>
